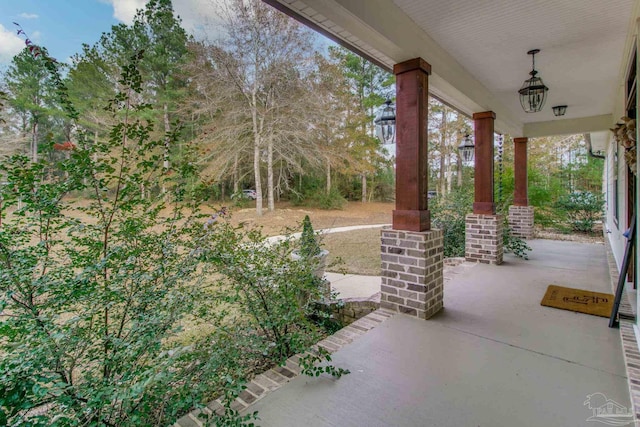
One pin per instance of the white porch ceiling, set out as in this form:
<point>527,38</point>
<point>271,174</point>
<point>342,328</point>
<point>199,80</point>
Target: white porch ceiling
<point>478,51</point>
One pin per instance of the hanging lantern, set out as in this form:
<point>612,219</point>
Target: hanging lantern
<point>559,110</point>
<point>385,123</point>
<point>533,92</point>
<point>467,150</point>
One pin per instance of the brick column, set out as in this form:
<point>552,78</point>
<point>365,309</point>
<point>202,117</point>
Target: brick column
<point>483,238</point>
<point>412,86</point>
<point>521,221</point>
<point>412,267</point>
<point>484,229</point>
<point>521,214</point>
<point>411,252</point>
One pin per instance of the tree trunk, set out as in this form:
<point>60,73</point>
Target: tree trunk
<point>328,177</point>
<point>34,142</point>
<point>449,175</point>
<point>236,175</point>
<point>167,128</point>
<point>364,188</point>
<point>257,145</point>
<point>256,172</point>
<point>270,199</point>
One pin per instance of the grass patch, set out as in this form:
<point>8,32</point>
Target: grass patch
<point>358,249</point>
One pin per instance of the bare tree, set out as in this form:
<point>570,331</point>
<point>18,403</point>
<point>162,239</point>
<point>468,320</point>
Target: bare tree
<point>261,103</point>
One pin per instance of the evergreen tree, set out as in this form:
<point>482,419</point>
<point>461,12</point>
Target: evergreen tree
<point>30,97</point>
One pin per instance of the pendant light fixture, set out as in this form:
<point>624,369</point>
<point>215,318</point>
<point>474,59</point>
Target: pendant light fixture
<point>533,92</point>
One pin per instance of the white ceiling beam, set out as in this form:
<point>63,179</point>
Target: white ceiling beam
<point>569,126</point>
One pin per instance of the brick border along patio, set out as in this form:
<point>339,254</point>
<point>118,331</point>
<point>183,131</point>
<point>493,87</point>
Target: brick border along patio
<point>276,377</point>
<point>628,336</point>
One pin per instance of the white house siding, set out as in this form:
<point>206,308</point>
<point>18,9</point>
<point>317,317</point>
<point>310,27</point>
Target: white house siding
<point>614,230</point>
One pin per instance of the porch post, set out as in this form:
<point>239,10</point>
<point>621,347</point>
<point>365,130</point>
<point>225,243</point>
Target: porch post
<point>483,132</point>
<point>521,214</point>
<point>411,252</point>
<point>484,229</point>
<point>412,87</point>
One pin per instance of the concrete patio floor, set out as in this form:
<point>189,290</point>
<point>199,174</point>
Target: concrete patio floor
<point>493,357</point>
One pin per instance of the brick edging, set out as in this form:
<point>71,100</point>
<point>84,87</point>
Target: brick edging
<point>276,377</point>
<point>628,337</point>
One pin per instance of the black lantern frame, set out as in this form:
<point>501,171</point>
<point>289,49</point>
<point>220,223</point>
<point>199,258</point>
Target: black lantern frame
<point>559,110</point>
<point>385,123</point>
<point>467,149</point>
<point>533,92</point>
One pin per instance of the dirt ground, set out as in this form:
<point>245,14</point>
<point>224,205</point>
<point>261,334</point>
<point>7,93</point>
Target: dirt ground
<point>286,215</point>
<point>357,213</point>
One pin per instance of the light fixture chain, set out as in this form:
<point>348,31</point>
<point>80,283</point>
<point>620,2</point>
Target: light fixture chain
<point>500,167</point>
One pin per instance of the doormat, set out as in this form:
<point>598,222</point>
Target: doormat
<point>595,303</point>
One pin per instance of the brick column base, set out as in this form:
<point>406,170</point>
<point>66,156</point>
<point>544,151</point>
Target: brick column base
<point>521,221</point>
<point>483,238</point>
<point>412,268</point>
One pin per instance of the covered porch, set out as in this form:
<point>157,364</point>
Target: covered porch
<point>492,357</point>
<point>474,57</point>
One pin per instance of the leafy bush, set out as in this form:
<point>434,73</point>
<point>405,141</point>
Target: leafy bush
<point>97,292</point>
<point>95,297</point>
<point>318,198</point>
<point>265,285</point>
<point>448,213</point>
<point>516,245</point>
<point>240,200</point>
<point>581,209</point>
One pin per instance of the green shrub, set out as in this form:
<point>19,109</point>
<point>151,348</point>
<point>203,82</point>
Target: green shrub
<point>448,213</point>
<point>318,198</point>
<point>309,246</point>
<point>99,293</point>
<point>581,209</point>
<point>516,245</point>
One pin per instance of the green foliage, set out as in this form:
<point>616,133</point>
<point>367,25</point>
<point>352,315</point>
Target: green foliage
<point>240,200</point>
<point>322,200</point>
<point>384,183</point>
<point>4,96</point>
<point>309,246</point>
<point>557,168</point>
<point>448,213</point>
<point>514,244</point>
<point>582,209</point>
<point>95,291</point>
<point>97,294</point>
<point>269,290</point>
<point>309,364</point>
<point>312,193</point>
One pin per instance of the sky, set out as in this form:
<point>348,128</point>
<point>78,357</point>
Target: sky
<point>62,26</point>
